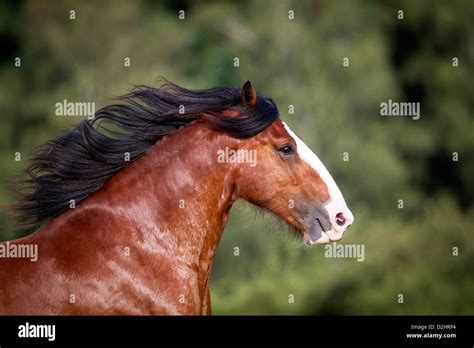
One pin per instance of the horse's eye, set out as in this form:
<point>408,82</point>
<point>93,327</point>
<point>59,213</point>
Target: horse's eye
<point>286,149</point>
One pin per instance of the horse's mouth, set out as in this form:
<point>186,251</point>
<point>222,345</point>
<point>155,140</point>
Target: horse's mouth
<point>318,235</point>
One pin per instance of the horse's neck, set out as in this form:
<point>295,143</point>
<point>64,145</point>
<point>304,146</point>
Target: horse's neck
<point>178,196</point>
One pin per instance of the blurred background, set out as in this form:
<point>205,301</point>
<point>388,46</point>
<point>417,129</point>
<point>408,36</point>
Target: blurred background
<point>423,251</point>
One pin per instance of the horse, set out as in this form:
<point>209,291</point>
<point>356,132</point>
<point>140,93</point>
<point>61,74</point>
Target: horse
<point>132,203</point>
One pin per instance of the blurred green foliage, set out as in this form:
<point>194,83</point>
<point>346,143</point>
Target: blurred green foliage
<point>408,251</point>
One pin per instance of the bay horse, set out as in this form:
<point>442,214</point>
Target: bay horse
<point>133,202</point>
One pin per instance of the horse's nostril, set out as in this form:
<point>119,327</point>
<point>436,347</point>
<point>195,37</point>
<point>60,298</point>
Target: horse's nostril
<point>340,219</point>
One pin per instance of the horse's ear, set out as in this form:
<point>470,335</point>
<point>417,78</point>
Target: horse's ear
<point>249,94</point>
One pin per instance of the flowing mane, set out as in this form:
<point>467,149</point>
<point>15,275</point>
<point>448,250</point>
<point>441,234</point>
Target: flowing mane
<point>78,162</point>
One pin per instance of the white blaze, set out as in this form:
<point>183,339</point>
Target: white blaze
<point>336,203</point>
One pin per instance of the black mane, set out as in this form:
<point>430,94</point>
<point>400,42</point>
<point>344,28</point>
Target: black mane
<point>78,162</point>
